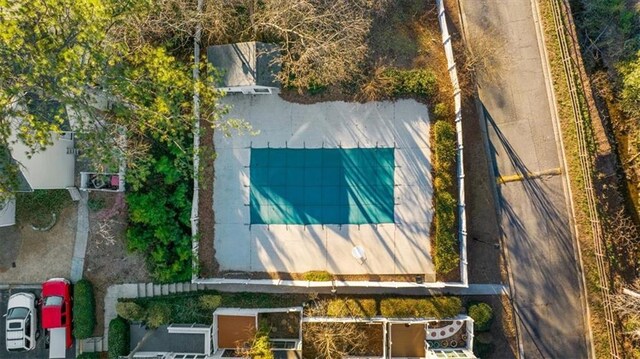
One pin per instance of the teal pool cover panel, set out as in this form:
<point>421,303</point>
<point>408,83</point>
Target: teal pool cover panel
<point>321,186</point>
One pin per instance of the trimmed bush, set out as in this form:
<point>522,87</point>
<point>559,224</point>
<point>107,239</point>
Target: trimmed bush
<point>363,308</point>
<point>84,310</point>
<point>482,315</point>
<point>210,302</point>
<point>88,356</point>
<point>317,276</point>
<point>434,307</point>
<point>158,314</point>
<point>131,311</point>
<point>446,251</point>
<point>118,338</point>
<point>421,82</point>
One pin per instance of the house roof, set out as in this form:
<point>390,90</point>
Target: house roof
<point>53,168</point>
<point>245,64</point>
<point>48,110</point>
<point>21,185</point>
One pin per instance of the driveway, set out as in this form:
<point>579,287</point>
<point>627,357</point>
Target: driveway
<point>534,215</point>
<point>41,350</point>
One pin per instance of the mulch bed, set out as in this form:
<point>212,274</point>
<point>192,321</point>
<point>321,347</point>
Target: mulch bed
<point>206,251</point>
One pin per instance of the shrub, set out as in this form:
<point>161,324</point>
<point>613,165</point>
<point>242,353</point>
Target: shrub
<point>482,315</point>
<point>88,356</point>
<point>118,338</point>
<point>158,313</point>
<point>159,220</point>
<point>259,347</point>
<point>210,302</point>
<point>440,111</point>
<point>421,82</point>
<point>131,311</point>
<point>350,307</point>
<point>317,276</point>
<point>434,307</point>
<point>445,246</point>
<point>84,312</point>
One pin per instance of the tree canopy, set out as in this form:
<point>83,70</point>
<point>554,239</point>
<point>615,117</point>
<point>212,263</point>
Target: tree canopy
<point>78,54</point>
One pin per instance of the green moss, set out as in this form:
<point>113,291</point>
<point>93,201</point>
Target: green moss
<point>318,276</point>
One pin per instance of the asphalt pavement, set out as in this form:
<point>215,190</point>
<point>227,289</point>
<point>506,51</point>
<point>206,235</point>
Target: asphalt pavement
<point>534,212</point>
<point>41,351</point>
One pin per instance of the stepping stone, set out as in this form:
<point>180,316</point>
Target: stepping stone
<point>142,290</point>
<point>172,288</point>
<point>179,287</point>
<point>156,290</point>
<point>149,289</point>
<point>165,289</point>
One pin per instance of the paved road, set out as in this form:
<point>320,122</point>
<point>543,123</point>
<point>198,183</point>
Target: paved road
<point>40,352</point>
<point>535,218</point>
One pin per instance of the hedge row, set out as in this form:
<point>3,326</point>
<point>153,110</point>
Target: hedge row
<point>118,338</point>
<point>432,307</point>
<point>446,249</point>
<point>84,310</point>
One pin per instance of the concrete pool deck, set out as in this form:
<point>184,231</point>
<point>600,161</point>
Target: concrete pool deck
<point>395,248</point>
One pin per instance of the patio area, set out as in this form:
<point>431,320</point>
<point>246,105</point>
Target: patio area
<point>400,246</point>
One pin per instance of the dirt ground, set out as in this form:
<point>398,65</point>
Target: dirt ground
<point>107,260</point>
<point>37,255</point>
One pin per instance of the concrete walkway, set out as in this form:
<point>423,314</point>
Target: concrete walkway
<point>82,235</point>
<point>535,216</point>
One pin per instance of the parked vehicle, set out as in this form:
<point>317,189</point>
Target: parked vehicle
<point>56,315</point>
<point>21,322</point>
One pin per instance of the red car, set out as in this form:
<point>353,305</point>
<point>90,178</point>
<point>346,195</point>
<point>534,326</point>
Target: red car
<point>56,315</point>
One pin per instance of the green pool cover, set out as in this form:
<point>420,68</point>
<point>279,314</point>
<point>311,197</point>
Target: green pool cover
<point>321,186</point>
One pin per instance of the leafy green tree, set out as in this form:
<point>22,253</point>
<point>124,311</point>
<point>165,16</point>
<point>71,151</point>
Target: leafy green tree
<point>76,54</point>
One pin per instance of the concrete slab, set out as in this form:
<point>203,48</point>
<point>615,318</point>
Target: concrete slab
<point>403,125</point>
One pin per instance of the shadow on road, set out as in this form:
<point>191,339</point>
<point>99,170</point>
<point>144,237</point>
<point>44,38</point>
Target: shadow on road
<point>537,237</point>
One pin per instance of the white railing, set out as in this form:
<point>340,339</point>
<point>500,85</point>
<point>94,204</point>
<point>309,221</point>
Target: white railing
<point>457,99</point>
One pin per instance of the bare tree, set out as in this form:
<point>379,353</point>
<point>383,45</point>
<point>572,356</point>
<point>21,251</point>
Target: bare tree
<point>627,305</point>
<point>331,339</point>
<point>323,41</point>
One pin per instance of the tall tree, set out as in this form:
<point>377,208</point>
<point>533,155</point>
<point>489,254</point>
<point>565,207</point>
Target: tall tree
<point>77,53</point>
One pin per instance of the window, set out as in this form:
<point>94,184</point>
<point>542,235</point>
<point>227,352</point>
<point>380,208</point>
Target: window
<point>53,301</point>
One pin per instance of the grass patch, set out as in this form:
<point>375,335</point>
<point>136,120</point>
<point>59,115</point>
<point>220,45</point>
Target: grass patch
<point>571,145</point>
<point>36,207</point>
<point>84,310</point>
<point>318,276</point>
<point>350,307</point>
<point>446,252</point>
<point>432,307</point>
<point>396,307</point>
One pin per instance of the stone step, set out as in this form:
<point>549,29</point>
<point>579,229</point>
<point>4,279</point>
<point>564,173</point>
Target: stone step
<point>142,290</point>
<point>156,290</point>
<point>149,289</point>
<point>164,289</point>
<point>172,288</point>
